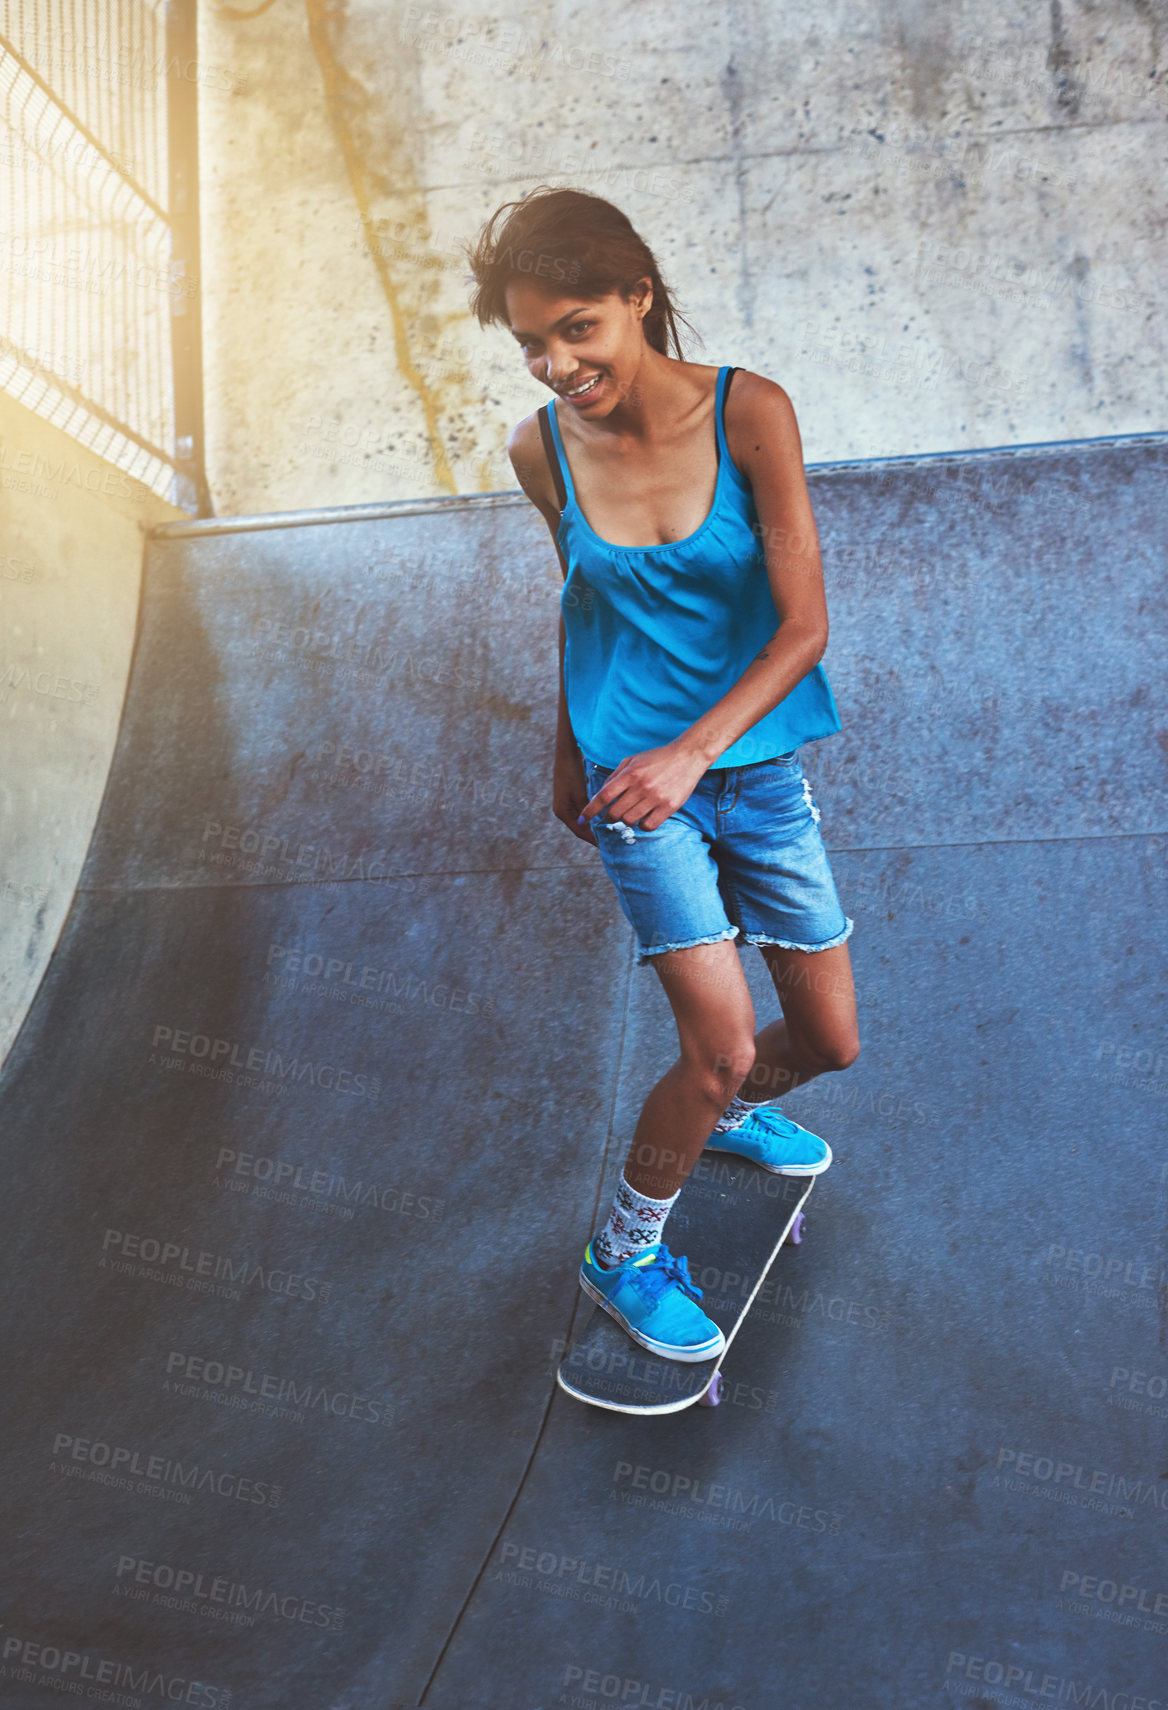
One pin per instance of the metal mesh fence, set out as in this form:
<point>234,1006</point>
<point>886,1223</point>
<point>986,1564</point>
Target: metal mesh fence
<point>89,280</point>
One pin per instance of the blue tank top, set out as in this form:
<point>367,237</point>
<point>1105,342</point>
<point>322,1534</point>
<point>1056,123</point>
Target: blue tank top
<point>655,635</point>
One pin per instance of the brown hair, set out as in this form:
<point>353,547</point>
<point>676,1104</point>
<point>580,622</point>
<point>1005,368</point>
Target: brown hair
<point>568,237</point>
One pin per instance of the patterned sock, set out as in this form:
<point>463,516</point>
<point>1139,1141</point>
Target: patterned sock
<point>734,1115</point>
<point>634,1223</point>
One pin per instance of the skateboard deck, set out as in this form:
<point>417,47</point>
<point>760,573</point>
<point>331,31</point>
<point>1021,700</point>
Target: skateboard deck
<point>730,1221</point>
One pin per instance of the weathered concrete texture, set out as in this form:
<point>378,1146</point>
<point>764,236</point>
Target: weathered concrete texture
<point>299,1215</point>
<point>967,607</point>
<point>410,672</point>
<point>314,1111</point>
<point>72,528</point>
<point>852,1517</point>
<point>934,229</point>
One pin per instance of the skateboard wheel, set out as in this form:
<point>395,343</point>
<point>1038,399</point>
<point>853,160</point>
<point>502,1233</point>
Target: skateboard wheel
<point>795,1233</point>
<point>712,1394</point>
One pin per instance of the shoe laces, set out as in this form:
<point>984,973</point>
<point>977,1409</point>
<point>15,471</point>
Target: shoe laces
<point>667,1269</point>
<point>770,1116</point>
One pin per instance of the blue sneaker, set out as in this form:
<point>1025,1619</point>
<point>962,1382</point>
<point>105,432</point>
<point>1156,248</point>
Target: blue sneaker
<point>769,1138</point>
<point>653,1297</point>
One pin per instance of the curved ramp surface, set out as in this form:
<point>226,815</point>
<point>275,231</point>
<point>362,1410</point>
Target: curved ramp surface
<point>341,1049</point>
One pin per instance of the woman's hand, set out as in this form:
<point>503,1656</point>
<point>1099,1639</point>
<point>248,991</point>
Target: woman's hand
<point>647,787</point>
<point>569,794</point>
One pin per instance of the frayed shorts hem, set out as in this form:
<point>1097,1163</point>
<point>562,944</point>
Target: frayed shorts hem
<point>790,943</point>
<point>684,944</point>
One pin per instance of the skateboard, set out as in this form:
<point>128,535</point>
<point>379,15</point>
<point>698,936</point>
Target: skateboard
<point>730,1221</point>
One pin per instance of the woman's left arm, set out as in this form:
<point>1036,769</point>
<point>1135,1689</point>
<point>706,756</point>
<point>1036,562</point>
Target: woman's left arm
<point>765,445</point>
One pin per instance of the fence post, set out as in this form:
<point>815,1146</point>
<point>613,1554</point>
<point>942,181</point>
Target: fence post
<point>186,285</point>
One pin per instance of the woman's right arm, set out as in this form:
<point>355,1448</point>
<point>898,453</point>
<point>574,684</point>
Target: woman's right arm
<point>569,785</point>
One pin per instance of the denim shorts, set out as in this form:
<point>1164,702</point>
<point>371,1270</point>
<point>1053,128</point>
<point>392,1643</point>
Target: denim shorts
<point>742,857</point>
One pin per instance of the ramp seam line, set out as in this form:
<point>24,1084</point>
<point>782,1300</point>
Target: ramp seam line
<point>573,866</point>
<point>572,1320</point>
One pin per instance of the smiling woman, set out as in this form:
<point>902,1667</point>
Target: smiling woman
<point>693,622</point>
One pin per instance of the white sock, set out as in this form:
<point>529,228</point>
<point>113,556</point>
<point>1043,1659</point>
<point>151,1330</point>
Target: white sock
<point>634,1224</point>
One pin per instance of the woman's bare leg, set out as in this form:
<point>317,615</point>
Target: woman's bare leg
<point>819,1029</point>
<point>711,1003</point>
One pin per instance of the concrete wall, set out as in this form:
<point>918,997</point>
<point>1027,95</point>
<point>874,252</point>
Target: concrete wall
<point>935,226</point>
<point>71,539</point>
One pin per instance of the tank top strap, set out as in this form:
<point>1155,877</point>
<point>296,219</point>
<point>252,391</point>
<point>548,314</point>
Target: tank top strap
<point>720,414</point>
<point>557,458</point>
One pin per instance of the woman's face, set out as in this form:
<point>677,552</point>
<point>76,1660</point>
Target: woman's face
<point>587,350</point>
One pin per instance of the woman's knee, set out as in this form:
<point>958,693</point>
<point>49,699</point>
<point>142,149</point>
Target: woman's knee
<point>719,1072</point>
<point>833,1050</point>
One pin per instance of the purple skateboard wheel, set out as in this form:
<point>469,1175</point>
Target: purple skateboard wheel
<point>712,1394</point>
<point>795,1233</point>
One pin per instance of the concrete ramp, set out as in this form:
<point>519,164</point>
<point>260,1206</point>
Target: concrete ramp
<point>342,1046</point>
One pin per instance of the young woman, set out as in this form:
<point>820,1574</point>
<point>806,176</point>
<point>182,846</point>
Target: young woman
<point>693,620</point>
